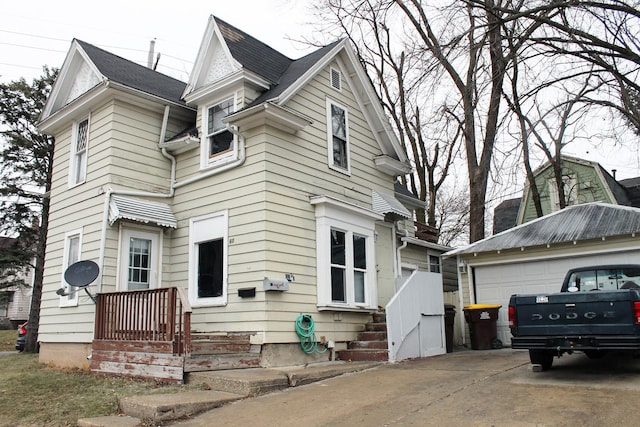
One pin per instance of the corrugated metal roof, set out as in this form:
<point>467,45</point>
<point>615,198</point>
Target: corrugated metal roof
<point>575,223</point>
<point>139,210</point>
<point>384,203</point>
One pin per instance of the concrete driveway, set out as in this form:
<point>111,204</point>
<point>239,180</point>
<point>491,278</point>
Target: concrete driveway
<point>466,388</point>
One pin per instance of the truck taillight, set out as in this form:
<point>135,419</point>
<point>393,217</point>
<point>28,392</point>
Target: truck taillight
<point>513,323</point>
<point>636,312</point>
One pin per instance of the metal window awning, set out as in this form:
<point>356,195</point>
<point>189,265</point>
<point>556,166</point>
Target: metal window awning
<point>144,211</point>
<point>386,203</point>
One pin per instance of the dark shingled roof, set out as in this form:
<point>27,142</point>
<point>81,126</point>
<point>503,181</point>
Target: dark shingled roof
<point>252,53</point>
<point>130,74</point>
<point>574,223</point>
<point>266,61</point>
<point>632,188</point>
<point>505,215</point>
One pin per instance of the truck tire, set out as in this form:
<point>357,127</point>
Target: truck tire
<point>544,358</point>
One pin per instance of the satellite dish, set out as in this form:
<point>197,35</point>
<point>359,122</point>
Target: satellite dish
<point>81,274</point>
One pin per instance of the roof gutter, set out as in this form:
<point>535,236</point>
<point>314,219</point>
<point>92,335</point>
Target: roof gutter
<point>239,161</point>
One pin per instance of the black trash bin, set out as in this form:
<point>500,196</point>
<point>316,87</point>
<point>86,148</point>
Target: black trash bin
<point>449,320</point>
<point>482,320</point>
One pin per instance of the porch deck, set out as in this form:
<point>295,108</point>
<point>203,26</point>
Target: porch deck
<point>147,334</point>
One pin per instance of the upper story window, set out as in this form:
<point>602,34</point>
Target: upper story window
<point>79,152</point>
<point>338,137</point>
<point>218,137</point>
<point>570,192</point>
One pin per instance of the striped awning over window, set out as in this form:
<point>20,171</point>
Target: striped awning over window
<point>386,203</point>
<point>144,211</point>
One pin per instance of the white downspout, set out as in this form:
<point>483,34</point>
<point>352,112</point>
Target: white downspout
<point>110,192</point>
<point>405,233</point>
<point>240,160</point>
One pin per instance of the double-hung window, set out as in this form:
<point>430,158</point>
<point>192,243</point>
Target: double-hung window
<point>434,264</point>
<point>208,259</point>
<point>346,256</point>
<point>79,152</point>
<point>348,267</point>
<point>338,137</point>
<point>72,250</point>
<point>218,139</point>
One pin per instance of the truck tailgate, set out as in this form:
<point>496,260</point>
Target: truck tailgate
<point>577,313</point>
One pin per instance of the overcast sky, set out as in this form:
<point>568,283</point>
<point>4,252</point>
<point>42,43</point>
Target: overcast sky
<point>37,32</point>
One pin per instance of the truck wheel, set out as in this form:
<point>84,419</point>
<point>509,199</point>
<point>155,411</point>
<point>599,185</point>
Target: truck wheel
<point>543,358</point>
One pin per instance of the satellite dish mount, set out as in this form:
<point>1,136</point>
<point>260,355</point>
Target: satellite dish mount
<point>81,274</point>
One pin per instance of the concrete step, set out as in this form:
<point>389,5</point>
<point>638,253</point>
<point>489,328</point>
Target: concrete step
<point>110,421</point>
<point>166,407</point>
<point>240,383</point>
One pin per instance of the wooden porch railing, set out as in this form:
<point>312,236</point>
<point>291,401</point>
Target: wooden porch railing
<point>146,315</point>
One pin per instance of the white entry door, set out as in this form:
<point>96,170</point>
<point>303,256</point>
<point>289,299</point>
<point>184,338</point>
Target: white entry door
<point>140,254</point>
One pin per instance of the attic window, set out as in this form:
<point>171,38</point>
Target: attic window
<point>336,79</point>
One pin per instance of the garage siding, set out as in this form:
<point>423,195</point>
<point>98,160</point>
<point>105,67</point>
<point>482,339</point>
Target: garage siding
<point>494,284</point>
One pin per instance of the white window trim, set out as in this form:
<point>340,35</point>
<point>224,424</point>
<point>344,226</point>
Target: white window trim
<point>197,234</point>
<point>207,162</point>
<point>346,171</point>
<point>570,188</point>
<point>335,215</point>
<point>72,149</point>
<point>64,300</point>
<point>123,264</point>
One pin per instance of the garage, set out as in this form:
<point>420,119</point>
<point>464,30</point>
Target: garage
<point>494,284</point>
<point>534,257</point>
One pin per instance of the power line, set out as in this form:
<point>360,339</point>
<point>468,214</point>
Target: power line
<point>33,47</point>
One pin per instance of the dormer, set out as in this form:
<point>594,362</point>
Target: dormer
<point>229,61</point>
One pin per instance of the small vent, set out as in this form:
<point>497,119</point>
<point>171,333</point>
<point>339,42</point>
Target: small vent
<point>336,81</point>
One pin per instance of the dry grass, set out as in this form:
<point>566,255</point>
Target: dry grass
<point>32,394</point>
<point>8,340</point>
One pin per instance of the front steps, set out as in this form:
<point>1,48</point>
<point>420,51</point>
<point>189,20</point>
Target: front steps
<point>371,344</point>
<point>214,352</point>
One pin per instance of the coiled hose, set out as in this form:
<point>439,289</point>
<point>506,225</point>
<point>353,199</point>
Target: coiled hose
<point>305,328</point>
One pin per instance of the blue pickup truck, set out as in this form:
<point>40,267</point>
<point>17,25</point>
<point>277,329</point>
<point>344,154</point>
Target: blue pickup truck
<point>597,310</point>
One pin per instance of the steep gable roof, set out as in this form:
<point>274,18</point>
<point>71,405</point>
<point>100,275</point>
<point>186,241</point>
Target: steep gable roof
<point>228,55</point>
<point>118,69</point>
<point>293,72</point>
<point>574,223</point>
<point>253,54</point>
<point>87,67</point>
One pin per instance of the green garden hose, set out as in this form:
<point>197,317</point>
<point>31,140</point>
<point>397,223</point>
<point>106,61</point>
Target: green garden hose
<point>305,328</point>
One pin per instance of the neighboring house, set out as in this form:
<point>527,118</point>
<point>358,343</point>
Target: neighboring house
<point>220,210</point>
<point>584,181</point>
<point>15,300</point>
<point>600,225</point>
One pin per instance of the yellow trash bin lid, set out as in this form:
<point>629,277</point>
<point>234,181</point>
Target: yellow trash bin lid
<point>481,306</point>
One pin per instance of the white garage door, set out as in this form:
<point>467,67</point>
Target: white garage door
<point>496,283</point>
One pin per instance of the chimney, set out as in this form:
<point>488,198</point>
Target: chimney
<point>152,45</point>
<point>613,172</point>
